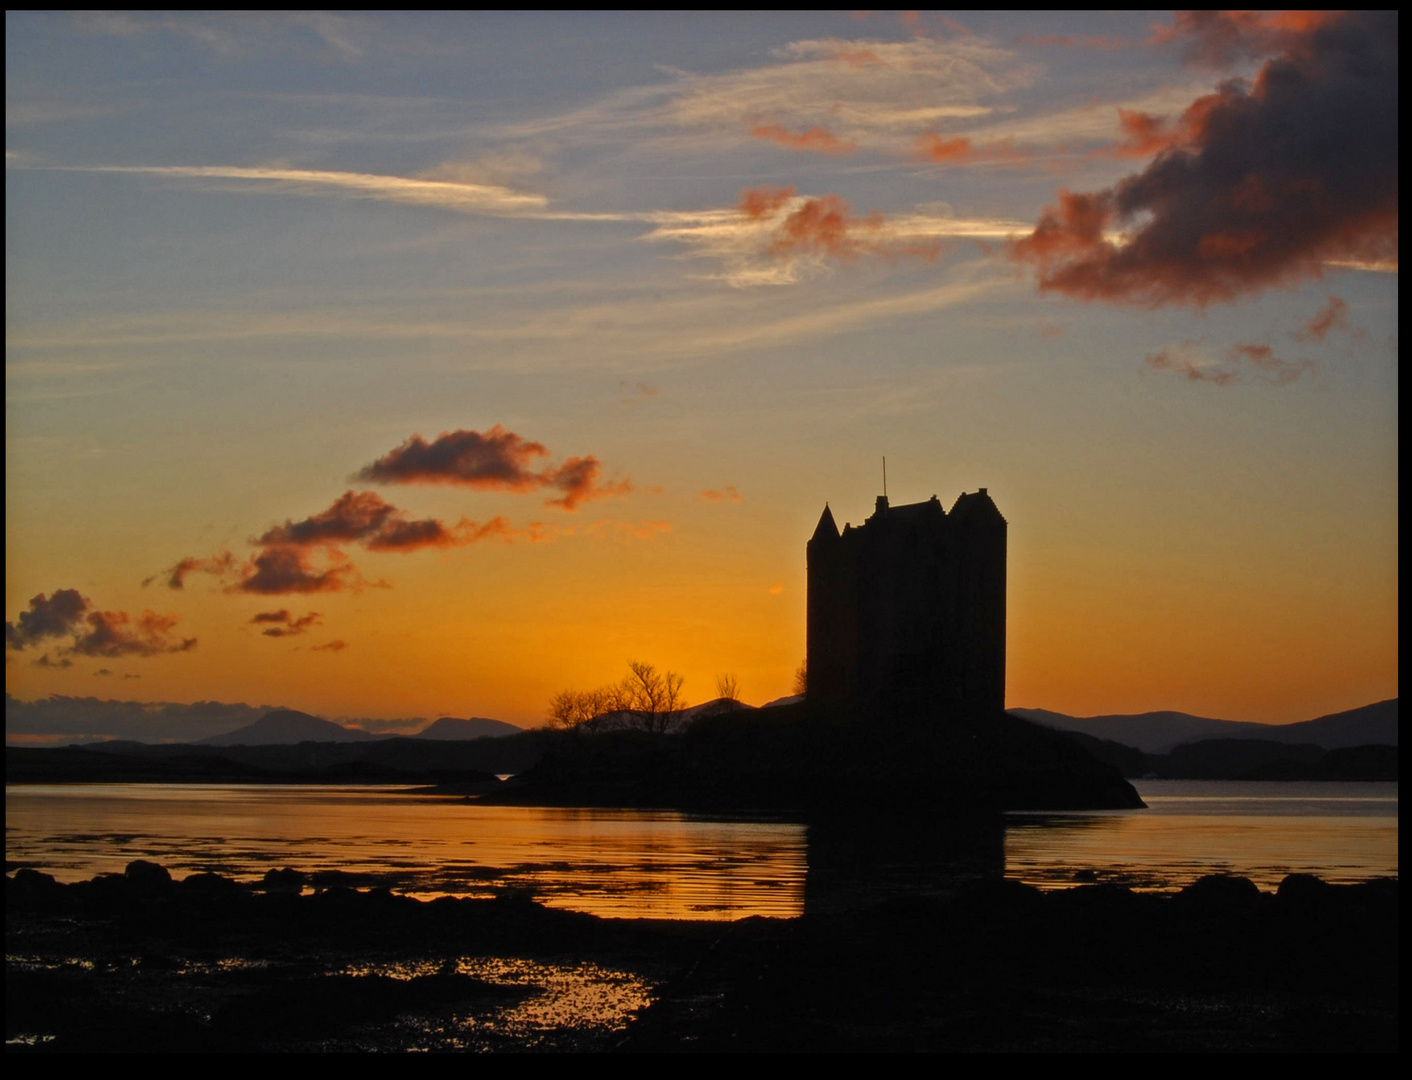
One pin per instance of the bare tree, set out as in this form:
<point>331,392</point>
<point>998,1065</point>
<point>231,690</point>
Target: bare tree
<point>583,710</point>
<point>651,699</point>
<point>801,679</point>
<point>728,689</point>
<point>646,698</point>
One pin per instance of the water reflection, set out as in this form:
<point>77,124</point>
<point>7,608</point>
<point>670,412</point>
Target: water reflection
<point>613,863</point>
<point>867,859</point>
<point>663,864</point>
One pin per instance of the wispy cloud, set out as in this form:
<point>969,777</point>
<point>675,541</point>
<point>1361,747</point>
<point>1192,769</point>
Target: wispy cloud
<point>176,575</point>
<point>815,140</point>
<point>460,196</point>
<point>1332,316</point>
<point>231,34</point>
<point>856,90</point>
<point>726,494</point>
<point>784,240</point>
<point>623,330</point>
<point>867,92</point>
<point>19,113</point>
<point>1101,42</point>
<point>959,150</point>
<point>1190,360</point>
<point>282,624</point>
<point>1085,125</point>
<point>775,236</point>
<point>627,530</point>
<point>1268,366</point>
<point>1186,359</point>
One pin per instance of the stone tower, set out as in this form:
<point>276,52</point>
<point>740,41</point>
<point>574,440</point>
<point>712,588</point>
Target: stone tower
<point>907,611</point>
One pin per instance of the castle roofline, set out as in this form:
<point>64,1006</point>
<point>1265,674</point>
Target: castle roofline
<point>907,511</point>
<point>827,527</point>
<point>975,506</point>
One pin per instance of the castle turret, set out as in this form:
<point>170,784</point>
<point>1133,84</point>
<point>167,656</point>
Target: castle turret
<point>826,526</point>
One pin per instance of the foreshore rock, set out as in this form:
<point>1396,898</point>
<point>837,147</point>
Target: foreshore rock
<point>126,961</point>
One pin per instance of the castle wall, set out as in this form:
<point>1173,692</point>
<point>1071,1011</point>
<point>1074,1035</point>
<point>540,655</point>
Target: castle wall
<point>907,612</point>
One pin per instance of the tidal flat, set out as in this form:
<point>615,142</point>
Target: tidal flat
<point>141,962</point>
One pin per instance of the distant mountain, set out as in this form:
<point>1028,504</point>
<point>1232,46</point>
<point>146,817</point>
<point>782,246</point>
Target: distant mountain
<point>1247,759</point>
<point>795,699</point>
<point>476,727</point>
<point>283,727</point>
<point>713,707</point>
<point>1160,732</point>
<point>1371,724</point>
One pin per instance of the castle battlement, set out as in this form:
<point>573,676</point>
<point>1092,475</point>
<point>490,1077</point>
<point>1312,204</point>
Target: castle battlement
<point>907,610</point>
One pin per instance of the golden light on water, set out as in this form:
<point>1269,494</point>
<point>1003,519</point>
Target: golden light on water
<point>669,865</point>
<point>612,863</point>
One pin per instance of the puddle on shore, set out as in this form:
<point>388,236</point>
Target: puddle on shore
<point>532,1005</point>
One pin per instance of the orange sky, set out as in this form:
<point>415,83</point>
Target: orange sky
<point>599,312</point>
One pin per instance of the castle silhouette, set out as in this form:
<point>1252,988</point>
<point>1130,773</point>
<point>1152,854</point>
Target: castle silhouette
<point>907,611</point>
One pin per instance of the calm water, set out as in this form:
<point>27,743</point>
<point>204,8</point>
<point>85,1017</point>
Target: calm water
<point>663,864</point>
<point>1262,830</point>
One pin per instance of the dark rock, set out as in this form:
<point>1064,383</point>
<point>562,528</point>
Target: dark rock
<point>209,888</point>
<point>1300,890</point>
<point>1221,895</point>
<point>1103,898</point>
<point>285,880</point>
<point>30,890</point>
<point>148,877</point>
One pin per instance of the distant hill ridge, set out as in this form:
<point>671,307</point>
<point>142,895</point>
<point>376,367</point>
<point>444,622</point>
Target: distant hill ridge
<point>87,719</point>
<point>1161,732</point>
<point>475,727</point>
<point>282,727</point>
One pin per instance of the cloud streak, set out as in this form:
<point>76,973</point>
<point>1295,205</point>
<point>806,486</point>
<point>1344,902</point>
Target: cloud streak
<point>218,565</point>
<point>1332,316</point>
<point>490,199</point>
<point>281,624</point>
<point>775,236</point>
<point>748,245</point>
<point>815,140</point>
<point>727,494</point>
<point>960,150</point>
<point>858,91</point>
<point>1260,360</point>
